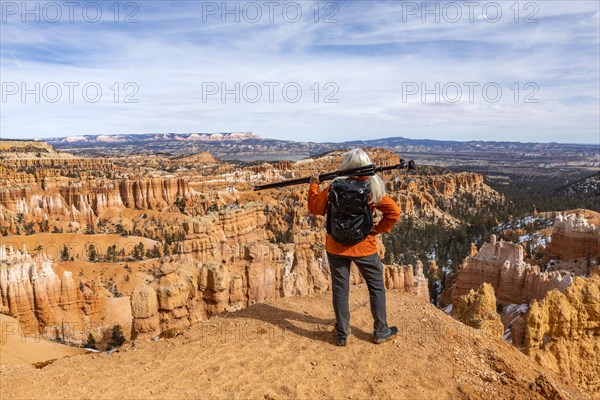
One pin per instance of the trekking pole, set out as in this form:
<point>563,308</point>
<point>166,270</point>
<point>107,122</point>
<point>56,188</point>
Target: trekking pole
<point>367,170</point>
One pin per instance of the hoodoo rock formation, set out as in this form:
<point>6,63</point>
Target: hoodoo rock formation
<point>552,316</point>
<point>563,332</point>
<point>573,237</point>
<point>152,193</point>
<point>421,195</point>
<point>84,202</point>
<point>234,247</point>
<point>187,238</point>
<point>45,303</point>
<point>187,291</point>
<point>478,310</point>
<point>501,264</point>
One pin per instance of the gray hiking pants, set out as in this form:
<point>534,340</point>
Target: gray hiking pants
<point>371,269</point>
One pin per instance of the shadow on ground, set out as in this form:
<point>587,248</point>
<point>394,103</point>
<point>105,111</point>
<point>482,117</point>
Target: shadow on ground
<point>320,329</point>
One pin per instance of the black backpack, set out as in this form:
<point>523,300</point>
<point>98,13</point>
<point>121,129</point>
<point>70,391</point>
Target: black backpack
<point>349,218</point>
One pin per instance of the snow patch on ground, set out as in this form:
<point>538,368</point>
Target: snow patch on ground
<point>521,308</point>
<point>507,335</point>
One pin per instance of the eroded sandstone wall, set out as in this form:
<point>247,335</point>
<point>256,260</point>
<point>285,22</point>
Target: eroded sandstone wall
<point>45,303</point>
<point>562,332</point>
<point>573,237</point>
<point>478,310</point>
<point>514,281</point>
<point>187,291</point>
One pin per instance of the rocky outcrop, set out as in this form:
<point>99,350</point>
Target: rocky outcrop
<point>198,159</point>
<point>423,195</point>
<point>514,281</point>
<point>187,291</point>
<point>573,237</point>
<point>43,302</point>
<point>84,202</point>
<point>406,279</point>
<point>83,164</point>
<point>478,310</point>
<point>563,332</point>
<point>152,193</point>
<point>221,237</point>
<point>40,184</point>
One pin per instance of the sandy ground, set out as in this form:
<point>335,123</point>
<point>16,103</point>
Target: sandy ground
<point>285,349</point>
<point>18,349</point>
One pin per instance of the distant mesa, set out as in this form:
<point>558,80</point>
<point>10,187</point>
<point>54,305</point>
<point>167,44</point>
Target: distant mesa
<point>29,149</point>
<point>498,159</point>
<point>223,136</point>
<point>100,138</point>
<point>109,139</point>
<point>70,139</point>
<point>184,137</point>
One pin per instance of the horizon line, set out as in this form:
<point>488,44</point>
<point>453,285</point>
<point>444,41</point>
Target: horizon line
<point>46,139</point>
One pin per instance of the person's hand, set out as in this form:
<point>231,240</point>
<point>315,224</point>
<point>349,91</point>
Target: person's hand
<point>314,179</point>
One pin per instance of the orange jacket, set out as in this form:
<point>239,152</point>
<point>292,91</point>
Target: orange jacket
<point>317,204</point>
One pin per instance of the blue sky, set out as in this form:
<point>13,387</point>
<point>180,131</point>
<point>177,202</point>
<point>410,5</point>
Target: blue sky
<point>366,69</point>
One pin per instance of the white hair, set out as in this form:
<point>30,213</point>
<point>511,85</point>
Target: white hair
<point>358,158</point>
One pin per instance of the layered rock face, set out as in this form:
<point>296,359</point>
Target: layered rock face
<point>13,152</point>
<point>84,202</point>
<point>42,301</point>
<point>40,185</point>
<point>478,310</point>
<point>514,281</point>
<point>563,332</point>
<point>420,194</point>
<point>187,291</point>
<point>266,242</point>
<point>38,164</point>
<point>64,161</point>
<point>406,279</point>
<point>152,193</point>
<point>573,237</point>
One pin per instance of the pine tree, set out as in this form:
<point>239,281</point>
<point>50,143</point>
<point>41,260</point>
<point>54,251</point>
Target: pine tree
<point>117,337</point>
<point>92,253</point>
<point>111,252</point>
<point>64,254</point>
<point>91,342</point>
<point>138,251</point>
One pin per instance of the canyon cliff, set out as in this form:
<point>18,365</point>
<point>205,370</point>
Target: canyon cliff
<point>48,304</point>
<point>187,291</point>
<point>478,310</point>
<point>553,316</point>
<point>563,332</point>
<point>573,237</point>
<point>501,264</point>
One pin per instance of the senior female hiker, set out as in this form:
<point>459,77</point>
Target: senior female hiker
<point>349,203</point>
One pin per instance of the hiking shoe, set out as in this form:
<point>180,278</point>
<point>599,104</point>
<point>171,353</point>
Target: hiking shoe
<point>342,341</point>
<point>391,335</point>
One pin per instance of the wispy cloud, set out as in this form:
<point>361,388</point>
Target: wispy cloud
<point>372,54</point>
